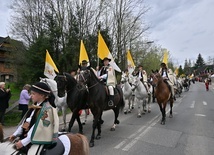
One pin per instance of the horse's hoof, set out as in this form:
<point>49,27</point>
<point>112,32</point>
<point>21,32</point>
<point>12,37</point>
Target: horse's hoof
<point>170,116</point>
<point>149,111</point>
<point>101,121</point>
<point>117,122</point>
<point>91,144</point>
<point>112,129</point>
<point>145,110</point>
<point>138,116</point>
<point>83,123</point>
<point>98,137</point>
<point>162,123</point>
<point>125,112</point>
<point>132,107</point>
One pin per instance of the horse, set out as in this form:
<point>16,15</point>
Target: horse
<point>163,95</point>
<point>186,84</point>
<point>72,143</point>
<point>141,94</point>
<point>98,100</point>
<point>77,95</point>
<point>60,102</point>
<point>127,93</point>
<point>179,87</point>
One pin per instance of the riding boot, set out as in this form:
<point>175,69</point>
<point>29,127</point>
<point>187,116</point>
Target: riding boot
<point>111,101</point>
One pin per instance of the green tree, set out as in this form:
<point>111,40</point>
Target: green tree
<point>199,62</point>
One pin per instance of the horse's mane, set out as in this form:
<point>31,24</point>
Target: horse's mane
<point>92,71</point>
<point>70,78</point>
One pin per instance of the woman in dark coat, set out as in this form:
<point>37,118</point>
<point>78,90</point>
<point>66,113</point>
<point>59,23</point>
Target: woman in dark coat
<point>5,95</point>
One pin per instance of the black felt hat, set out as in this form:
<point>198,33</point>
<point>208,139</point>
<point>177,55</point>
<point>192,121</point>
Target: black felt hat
<point>41,88</point>
<point>106,59</point>
<point>84,62</point>
<point>163,64</point>
<point>140,66</point>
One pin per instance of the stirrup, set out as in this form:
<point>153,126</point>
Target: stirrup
<point>110,103</point>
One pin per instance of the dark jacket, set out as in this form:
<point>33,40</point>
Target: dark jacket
<point>4,99</point>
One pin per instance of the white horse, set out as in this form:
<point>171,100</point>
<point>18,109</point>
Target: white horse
<point>141,96</point>
<point>60,102</point>
<point>127,93</point>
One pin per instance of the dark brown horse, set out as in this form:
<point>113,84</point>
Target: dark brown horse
<point>98,98</point>
<point>162,94</point>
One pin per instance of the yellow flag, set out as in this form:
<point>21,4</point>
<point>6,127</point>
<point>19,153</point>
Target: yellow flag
<point>130,62</point>
<point>103,52</point>
<point>50,67</point>
<point>176,71</point>
<point>129,59</point>
<point>83,53</point>
<point>165,57</point>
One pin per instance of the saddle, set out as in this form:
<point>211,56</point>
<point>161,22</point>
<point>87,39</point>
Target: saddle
<point>168,86</point>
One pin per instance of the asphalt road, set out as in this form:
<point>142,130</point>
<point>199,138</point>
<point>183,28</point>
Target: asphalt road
<point>189,132</point>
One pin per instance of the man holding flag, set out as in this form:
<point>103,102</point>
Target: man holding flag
<point>167,74</point>
<point>107,74</point>
<point>107,71</point>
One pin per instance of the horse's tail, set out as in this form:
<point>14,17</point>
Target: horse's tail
<point>79,144</point>
<point>1,133</point>
<point>122,102</point>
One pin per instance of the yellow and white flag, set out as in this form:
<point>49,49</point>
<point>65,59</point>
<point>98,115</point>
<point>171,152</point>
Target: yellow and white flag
<point>165,57</point>
<point>103,52</point>
<point>83,53</point>
<point>50,67</point>
<point>130,62</point>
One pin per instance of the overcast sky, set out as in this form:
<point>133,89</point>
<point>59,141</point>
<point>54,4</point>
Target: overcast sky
<point>184,27</point>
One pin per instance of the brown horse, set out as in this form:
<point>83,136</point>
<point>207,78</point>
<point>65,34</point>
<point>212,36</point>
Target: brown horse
<point>162,94</point>
<point>79,145</point>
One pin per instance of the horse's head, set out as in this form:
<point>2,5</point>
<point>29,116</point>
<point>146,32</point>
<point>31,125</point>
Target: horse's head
<point>51,83</point>
<point>61,81</point>
<point>135,82</point>
<point>124,77</point>
<point>155,78</point>
<point>84,76</point>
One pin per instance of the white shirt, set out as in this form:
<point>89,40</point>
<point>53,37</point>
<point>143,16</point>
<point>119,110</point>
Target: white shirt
<point>19,130</point>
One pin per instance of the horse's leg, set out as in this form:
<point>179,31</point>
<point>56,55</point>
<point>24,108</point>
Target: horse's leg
<point>164,113</point>
<point>94,125</point>
<point>140,109</point>
<point>116,121</point>
<point>79,123</point>
<point>64,117</point>
<point>148,103</point>
<point>171,105</point>
<point>127,105</point>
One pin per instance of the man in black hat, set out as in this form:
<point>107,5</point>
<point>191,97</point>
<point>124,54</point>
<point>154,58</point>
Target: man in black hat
<point>107,74</point>
<point>41,123</point>
<point>167,75</point>
<point>142,75</point>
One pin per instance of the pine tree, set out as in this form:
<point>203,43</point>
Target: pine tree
<point>199,62</point>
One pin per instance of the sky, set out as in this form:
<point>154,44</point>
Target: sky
<point>184,27</point>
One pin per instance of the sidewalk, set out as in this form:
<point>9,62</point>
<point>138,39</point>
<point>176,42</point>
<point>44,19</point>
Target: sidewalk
<point>9,130</point>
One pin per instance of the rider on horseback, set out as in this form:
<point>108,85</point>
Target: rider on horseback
<point>107,74</point>
<point>41,123</point>
<point>142,75</point>
<point>167,76</point>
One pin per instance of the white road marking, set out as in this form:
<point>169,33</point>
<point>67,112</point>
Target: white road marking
<point>200,115</point>
<point>142,131</point>
<point>204,103</point>
<point>193,104</point>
